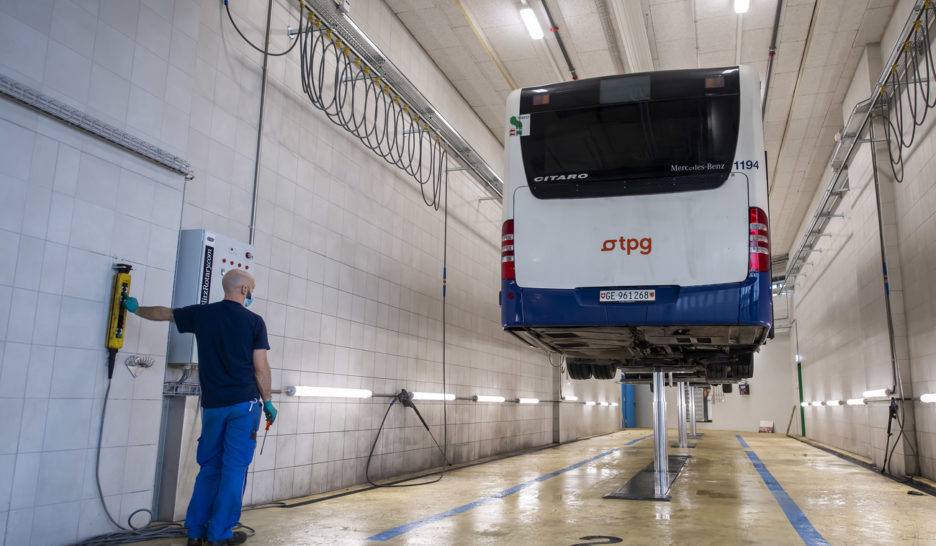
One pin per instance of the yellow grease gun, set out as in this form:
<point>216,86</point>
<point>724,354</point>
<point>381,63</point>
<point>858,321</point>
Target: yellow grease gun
<point>118,315</point>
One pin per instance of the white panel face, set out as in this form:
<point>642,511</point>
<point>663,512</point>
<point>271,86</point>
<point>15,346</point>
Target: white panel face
<point>686,239</point>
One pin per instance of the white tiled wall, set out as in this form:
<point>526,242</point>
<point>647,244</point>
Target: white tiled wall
<point>839,309</point>
<point>61,231</point>
<point>349,260</point>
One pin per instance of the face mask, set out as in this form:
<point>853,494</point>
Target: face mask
<point>248,300</point>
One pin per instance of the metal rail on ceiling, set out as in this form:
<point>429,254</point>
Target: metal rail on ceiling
<point>363,47</point>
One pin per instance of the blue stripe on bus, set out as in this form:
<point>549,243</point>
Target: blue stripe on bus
<point>402,529</point>
<point>804,528</point>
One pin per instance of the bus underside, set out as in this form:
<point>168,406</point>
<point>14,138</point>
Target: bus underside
<point>697,354</point>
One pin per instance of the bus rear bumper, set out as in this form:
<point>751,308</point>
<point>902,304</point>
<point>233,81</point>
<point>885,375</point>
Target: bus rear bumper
<point>746,303</point>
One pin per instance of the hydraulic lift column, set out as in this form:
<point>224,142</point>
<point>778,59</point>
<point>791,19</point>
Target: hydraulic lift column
<point>660,454</point>
<point>681,387</point>
<point>692,413</point>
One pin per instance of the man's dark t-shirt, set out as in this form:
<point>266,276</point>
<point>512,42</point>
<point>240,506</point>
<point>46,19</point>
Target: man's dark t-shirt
<point>227,334</point>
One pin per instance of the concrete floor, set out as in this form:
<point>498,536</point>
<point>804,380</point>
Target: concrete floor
<point>720,498</point>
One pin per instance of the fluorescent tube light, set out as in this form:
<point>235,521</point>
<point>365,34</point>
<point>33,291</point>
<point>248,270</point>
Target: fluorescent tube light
<point>605,404</point>
<point>532,23</point>
<point>816,404</point>
<point>570,398</point>
<point>528,400</point>
<point>484,398</point>
<point>589,403</point>
<point>433,396</point>
<point>614,404</point>
<point>328,392</point>
<point>929,398</point>
<point>877,393</point>
<point>834,403</point>
<point>742,6</point>
<point>855,401</point>
<point>804,404</point>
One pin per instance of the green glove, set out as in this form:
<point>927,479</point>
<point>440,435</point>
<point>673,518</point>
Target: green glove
<point>131,304</point>
<point>270,411</point>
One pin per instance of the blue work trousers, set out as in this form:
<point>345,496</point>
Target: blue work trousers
<point>225,449</point>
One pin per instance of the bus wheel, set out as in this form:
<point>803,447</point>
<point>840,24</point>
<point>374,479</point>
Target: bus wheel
<point>600,371</point>
<point>744,368</point>
<point>578,371</point>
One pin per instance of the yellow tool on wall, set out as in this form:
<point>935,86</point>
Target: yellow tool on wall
<point>118,314</point>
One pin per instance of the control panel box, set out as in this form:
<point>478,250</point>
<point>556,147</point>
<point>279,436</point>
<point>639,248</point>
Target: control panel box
<point>203,259</point>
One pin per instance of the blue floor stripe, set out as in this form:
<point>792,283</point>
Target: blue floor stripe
<point>797,518</point>
<point>740,439</point>
<point>402,529</point>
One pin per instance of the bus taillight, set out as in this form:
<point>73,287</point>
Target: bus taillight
<point>507,251</point>
<point>760,241</point>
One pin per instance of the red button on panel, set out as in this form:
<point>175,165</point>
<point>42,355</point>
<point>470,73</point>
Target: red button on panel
<point>238,265</point>
<point>249,256</point>
<point>246,267</point>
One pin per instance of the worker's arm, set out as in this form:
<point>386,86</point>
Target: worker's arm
<point>262,374</point>
<point>158,313</point>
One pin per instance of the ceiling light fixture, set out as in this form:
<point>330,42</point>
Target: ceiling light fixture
<point>816,404</point>
<point>614,404</point>
<point>804,404</point>
<point>528,400</point>
<point>834,403</point>
<point>929,398</point>
<point>328,392</point>
<point>877,393</point>
<point>742,6</point>
<point>532,23</point>
<point>484,398</point>
<point>570,398</point>
<point>856,402</point>
<point>589,403</point>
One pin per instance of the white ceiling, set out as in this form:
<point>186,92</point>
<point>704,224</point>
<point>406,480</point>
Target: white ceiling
<point>485,51</point>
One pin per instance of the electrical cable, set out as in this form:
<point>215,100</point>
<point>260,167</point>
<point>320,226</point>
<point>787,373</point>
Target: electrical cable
<point>907,95</point>
<point>261,50</point>
<point>353,96</point>
<point>403,398</point>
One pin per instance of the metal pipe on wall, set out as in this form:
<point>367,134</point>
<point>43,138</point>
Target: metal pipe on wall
<point>692,412</point>
<point>770,55</point>
<point>263,81</point>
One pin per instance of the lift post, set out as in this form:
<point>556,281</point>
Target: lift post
<point>656,479</point>
<point>681,387</point>
<point>660,454</point>
<point>692,414</point>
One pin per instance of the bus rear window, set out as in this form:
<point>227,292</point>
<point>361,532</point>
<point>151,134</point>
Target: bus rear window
<point>647,146</point>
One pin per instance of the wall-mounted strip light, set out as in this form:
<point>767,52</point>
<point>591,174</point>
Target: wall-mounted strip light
<point>877,393</point>
<point>532,23</point>
<point>589,403</point>
<point>742,6</point>
<point>605,404</point>
<point>485,398</point>
<point>570,398</point>
<point>929,398</point>
<point>328,392</point>
<point>804,404</point>
<point>614,404</point>
<point>855,401</point>
<point>816,404</point>
<point>834,403</point>
<point>528,400</point>
<point>433,396</point>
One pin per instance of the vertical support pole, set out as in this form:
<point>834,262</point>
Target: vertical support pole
<point>692,413</point>
<point>802,411</point>
<point>681,387</point>
<point>660,454</point>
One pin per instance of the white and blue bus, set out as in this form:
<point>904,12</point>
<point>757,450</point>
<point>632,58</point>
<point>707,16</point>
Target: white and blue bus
<point>635,228</point>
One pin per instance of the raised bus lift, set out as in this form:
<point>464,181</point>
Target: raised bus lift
<point>655,480</point>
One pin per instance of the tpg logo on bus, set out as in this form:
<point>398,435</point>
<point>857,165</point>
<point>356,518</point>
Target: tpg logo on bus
<point>645,245</point>
<point>556,177</point>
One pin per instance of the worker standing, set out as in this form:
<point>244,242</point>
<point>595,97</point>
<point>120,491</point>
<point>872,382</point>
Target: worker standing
<point>235,375</point>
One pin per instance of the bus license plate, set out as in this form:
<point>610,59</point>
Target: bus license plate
<point>626,296</point>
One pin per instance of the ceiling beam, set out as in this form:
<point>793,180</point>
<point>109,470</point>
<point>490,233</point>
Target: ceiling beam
<point>627,19</point>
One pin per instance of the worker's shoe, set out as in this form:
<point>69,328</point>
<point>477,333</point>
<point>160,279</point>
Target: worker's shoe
<point>239,537</point>
<point>195,542</point>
